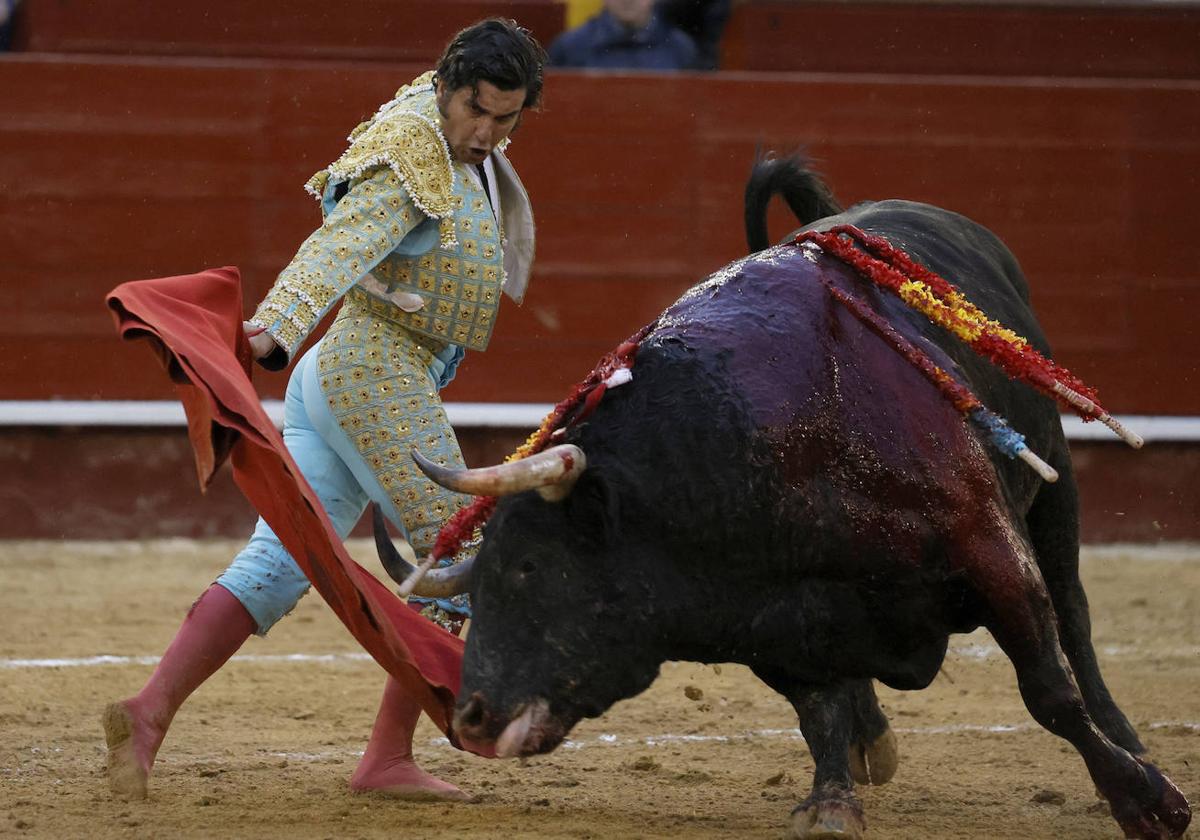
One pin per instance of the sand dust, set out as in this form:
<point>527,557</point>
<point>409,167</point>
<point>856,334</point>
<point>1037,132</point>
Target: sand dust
<point>266,748</point>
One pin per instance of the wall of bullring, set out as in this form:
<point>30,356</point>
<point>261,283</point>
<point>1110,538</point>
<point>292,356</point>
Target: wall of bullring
<point>121,166</point>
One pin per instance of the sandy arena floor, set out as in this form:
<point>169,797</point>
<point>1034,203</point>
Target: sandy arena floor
<point>265,748</point>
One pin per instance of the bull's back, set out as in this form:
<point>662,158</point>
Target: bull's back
<point>974,259</point>
<point>859,441</point>
<point>987,273</point>
<point>957,247</point>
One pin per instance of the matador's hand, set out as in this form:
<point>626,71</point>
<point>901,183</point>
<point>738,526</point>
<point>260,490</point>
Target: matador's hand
<point>261,343</point>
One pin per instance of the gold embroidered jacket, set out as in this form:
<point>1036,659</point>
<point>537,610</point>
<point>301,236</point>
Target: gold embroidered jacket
<point>410,227</point>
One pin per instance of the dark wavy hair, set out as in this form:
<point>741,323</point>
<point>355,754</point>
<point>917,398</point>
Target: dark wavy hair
<point>496,50</point>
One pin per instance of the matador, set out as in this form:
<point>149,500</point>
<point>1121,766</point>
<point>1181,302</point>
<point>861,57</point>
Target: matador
<point>425,226</point>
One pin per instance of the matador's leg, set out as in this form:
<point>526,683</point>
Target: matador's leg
<point>380,390</point>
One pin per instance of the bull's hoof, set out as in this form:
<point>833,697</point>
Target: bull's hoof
<point>876,763</point>
<point>1162,816</point>
<point>828,820</point>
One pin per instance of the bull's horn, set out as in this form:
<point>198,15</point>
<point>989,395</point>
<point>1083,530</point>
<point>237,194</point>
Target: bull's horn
<point>552,473</point>
<point>400,564</point>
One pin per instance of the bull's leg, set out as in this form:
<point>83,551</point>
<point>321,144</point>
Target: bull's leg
<point>1054,531</point>
<point>826,714</point>
<point>1021,618</point>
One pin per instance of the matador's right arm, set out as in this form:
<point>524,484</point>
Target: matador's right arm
<point>363,228</point>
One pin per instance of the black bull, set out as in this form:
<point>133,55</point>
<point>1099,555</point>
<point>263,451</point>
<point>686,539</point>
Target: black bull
<point>778,487</point>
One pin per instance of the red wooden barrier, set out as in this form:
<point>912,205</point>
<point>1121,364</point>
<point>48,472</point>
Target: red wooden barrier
<point>120,168</point>
<point>1142,39</point>
<point>1131,39</point>
<point>140,483</point>
<point>363,30</point>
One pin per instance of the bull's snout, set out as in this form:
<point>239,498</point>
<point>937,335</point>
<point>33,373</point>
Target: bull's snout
<point>472,722</point>
<point>531,728</point>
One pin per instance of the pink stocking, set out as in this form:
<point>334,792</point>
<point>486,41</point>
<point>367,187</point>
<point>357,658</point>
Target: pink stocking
<point>214,629</point>
<point>388,766</point>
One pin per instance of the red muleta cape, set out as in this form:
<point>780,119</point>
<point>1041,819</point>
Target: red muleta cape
<point>194,324</point>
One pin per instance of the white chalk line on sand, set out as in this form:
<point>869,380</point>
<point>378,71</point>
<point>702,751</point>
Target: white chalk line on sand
<point>794,734</point>
<point>966,649</point>
<point>106,659</point>
<point>667,739</point>
<point>610,740</point>
<point>988,650</point>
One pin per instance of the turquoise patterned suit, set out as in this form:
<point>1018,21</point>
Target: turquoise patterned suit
<point>411,247</point>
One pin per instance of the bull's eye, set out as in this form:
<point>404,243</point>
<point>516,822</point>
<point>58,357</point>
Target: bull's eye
<point>523,572</point>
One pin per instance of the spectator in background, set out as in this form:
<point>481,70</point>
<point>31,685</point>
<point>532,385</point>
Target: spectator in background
<point>701,20</point>
<point>8,8</point>
<point>626,34</point>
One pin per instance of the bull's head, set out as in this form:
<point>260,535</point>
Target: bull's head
<point>556,622</point>
<point>552,473</point>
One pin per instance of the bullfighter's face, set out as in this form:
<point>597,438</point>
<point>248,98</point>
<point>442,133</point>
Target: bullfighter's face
<point>553,637</point>
<point>474,119</point>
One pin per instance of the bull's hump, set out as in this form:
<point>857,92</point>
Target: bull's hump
<point>769,319</point>
<point>777,292</point>
<point>805,368</point>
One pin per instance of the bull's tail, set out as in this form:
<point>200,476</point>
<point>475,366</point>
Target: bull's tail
<point>793,178</point>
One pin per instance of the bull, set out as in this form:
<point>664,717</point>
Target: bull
<point>778,487</point>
